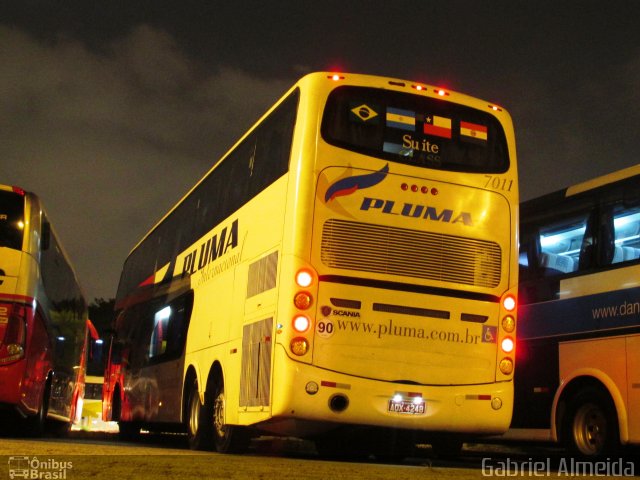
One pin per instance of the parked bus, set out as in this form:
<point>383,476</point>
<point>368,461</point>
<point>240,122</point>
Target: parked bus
<point>578,376</point>
<point>347,272</point>
<point>43,319</point>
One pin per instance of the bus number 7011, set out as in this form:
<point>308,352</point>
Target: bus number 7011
<point>498,183</point>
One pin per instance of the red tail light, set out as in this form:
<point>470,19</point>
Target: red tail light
<point>13,331</point>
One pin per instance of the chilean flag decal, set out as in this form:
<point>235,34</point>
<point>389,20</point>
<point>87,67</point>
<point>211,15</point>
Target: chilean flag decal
<point>346,186</point>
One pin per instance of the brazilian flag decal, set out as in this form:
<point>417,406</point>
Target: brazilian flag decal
<point>363,113</point>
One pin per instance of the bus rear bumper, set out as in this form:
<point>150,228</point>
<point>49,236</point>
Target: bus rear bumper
<point>308,398</point>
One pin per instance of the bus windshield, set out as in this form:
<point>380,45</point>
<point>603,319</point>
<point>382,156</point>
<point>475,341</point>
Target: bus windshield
<point>415,130</point>
<point>11,219</point>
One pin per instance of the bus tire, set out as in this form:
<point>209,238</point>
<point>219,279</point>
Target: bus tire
<point>199,426</point>
<point>35,425</point>
<point>591,428</point>
<point>226,438</point>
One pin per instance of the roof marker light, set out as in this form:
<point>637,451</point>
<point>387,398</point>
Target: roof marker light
<point>441,92</point>
<point>335,77</point>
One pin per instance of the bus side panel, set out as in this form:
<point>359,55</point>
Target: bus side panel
<point>38,364</point>
<point>602,359</point>
<point>633,386</point>
<point>536,381</point>
<point>163,391</point>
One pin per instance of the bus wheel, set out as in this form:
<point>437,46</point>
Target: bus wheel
<point>591,429</point>
<point>199,432</point>
<point>227,438</point>
<point>35,425</point>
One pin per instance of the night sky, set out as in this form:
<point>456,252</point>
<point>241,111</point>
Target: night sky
<point>111,110</point>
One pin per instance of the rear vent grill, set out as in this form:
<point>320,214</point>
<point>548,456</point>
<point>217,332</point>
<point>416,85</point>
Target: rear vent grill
<point>412,253</point>
<point>262,275</point>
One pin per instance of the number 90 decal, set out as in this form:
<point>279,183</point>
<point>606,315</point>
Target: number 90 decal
<point>325,328</point>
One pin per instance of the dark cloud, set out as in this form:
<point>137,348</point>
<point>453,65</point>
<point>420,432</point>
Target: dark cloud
<point>110,142</point>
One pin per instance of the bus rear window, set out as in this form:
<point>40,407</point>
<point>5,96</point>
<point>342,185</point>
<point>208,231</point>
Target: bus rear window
<point>415,130</point>
<point>11,219</point>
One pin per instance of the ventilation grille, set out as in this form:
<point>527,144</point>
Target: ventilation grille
<point>412,253</point>
<point>255,377</point>
<point>262,275</point>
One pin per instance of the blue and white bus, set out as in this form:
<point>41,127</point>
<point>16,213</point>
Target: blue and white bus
<point>578,375</point>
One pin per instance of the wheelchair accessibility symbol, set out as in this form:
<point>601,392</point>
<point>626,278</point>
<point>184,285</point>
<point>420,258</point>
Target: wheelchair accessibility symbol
<point>489,334</point>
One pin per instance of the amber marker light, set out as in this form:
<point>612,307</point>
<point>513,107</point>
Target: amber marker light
<point>509,324</point>
<point>506,366</point>
<point>299,346</point>
<point>302,300</point>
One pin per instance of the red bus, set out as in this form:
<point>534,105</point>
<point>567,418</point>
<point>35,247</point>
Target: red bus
<point>44,328</point>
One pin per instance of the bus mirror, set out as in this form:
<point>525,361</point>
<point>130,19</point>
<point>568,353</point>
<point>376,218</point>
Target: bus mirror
<point>45,240</point>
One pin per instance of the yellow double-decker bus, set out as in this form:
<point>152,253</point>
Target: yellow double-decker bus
<point>347,272</point>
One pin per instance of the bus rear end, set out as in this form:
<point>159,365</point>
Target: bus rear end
<point>23,340</point>
<point>406,319</point>
<point>42,317</point>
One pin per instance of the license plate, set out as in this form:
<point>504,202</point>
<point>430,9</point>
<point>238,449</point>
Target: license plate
<point>408,407</point>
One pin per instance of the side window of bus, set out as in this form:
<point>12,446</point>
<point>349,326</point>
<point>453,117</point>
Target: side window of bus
<point>170,324</point>
<point>626,227</point>
<point>526,261</point>
<point>562,244</point>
